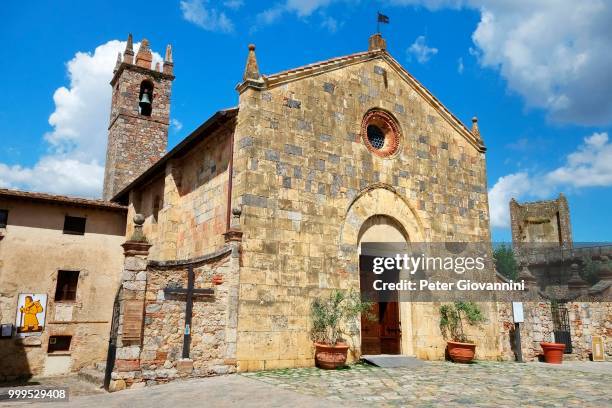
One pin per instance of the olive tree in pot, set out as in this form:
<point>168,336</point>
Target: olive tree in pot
<point>460,348</point>
<point>330,318</point>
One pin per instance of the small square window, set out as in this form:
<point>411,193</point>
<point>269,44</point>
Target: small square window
<point>59,343</point>
<point>74,225</point>
<point>3,218</point>
<point>66,287</point>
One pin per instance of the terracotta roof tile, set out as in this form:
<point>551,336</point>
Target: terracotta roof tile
<point>60,199</point>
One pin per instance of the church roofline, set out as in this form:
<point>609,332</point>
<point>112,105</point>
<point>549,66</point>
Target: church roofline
<point>283,77</point>
<point>60,199</point>
<point>196,136</point>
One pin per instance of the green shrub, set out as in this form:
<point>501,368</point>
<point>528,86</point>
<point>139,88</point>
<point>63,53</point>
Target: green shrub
<point>331,315</point>
<point>452,316</point>
<point>505,262</point>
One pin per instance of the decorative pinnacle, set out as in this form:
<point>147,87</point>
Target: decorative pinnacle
<point>475,129</point>
<point>118,62</point>
<point>168,57</point>
<point>168,62</point>
<point>129,48</point>
<point>128,54</point>
<point>144,57</point>
<point>251,72</point>
<point>138,235</point>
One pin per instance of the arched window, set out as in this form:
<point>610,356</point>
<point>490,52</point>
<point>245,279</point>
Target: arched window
<point>145,98</point>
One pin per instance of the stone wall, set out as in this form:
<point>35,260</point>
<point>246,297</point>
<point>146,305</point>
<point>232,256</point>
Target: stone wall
<point>587,319</point>
<point>157,356</point>
<point>192,196</point>
<point>304,177</point>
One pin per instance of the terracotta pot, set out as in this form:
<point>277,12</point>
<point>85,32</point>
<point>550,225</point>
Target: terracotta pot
<point>553,352</point>
<point>330,357</point>
<point>461,352</point>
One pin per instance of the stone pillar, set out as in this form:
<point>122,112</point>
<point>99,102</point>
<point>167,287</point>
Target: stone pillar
<point>576,285</point>
<point>132,300</point>
<point>233,237</point>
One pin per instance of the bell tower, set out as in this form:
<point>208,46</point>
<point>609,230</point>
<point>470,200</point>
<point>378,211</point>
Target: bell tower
<point>140,115</point>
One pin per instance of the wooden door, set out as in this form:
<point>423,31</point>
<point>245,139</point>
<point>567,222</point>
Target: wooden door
<point>390,331</point>
<point>382,334</point>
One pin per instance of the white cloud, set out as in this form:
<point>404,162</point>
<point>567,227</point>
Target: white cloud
<point>56,174</point>
<point>330,23</point>
<point>270,15</point>
<point>507,187</point>
<point>460,66</point>
<point>305,8</point>
<point>233,4</point>
<point>302,8</point>
<point>210,19</point>
<point>176,124</point>
<point>421,51</point>
<point>74,162</point>
<point>590,165</point>
<point>554,53</point>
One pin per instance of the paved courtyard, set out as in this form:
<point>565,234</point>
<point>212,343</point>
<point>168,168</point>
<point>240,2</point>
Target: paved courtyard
<point>484,384</point>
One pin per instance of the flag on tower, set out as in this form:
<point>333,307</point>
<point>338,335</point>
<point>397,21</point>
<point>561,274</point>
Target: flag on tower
<point>382,18</point>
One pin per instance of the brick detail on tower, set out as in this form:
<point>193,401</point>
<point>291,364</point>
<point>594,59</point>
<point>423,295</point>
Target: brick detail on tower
<point>136,141</point>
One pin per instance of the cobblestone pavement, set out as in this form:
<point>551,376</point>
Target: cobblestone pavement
<point>435,384</point>
<point>483,384</point>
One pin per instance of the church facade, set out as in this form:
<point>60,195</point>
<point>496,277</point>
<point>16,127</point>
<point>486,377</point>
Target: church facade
<point>229,236</point>
<point>268,203</point>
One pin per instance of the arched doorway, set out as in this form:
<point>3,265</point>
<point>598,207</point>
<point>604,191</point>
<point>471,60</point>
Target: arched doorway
<point>381,332</point>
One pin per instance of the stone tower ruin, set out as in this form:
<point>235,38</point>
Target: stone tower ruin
<point>140,115</point>
<point>543,223</point>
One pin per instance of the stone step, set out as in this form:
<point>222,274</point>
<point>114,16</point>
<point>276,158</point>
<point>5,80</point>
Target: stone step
<point>392,361</point>
<point>100,366</point>
<point>92,375</point>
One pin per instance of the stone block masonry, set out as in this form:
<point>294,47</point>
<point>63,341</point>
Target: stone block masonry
<point>315,184</point>
<point>135,140</point>
<point>587,319</point>
<point>155,355</point>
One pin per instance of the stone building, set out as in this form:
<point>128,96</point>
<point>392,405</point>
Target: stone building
<point>64,252</point>
<point>268,203</point>
<point>137,133</point>
<point>229,236</point>
<point>562,306</point>
<point>541,223</point>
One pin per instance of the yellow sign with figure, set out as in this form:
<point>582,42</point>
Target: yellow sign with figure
<point>31,312</point>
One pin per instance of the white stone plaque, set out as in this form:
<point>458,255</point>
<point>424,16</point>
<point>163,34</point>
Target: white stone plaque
<point>517,312</point>
<point>63,312</point>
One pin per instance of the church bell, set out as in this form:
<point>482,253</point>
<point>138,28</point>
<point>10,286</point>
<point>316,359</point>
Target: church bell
<point>145,103</point>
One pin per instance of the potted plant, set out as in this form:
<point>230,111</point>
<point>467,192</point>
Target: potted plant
<point>553,352</point>
<point>330,317</point>
<point>460,348</point>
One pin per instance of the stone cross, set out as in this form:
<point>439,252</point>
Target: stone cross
<point>189,293</point>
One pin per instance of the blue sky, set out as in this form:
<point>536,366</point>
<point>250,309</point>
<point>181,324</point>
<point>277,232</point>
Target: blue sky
<point>538,76</point>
